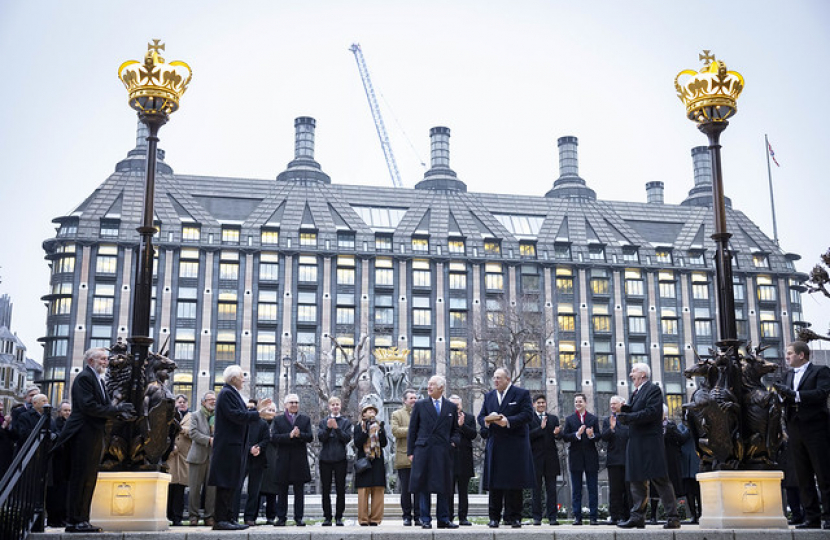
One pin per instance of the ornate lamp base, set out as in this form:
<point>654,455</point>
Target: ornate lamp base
<point>741,500</point>
<point>130,501</point>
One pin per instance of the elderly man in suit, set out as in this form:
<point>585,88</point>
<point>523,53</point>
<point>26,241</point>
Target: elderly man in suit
<point>544,430</point>
<point>508,465</point>
<point>291,433</point>
<point>462,462</point>
<point>433,430</point>
<point>615,436</point>
<point>582,433</point>
<point>84,435</point>
<point>646,454</point>
<point>228,462</point>
<point>804,394</point>
<point>200,429</point>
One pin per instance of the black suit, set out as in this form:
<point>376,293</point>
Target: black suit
<point>583,459</point>
<point>463,467</point>
<point>84,435</point>
<point>546,464</point>
<point>258,435</point>
<point>292,462</point>
<point>333,463</point>
<point>617,440</point>
<point>808,428</point>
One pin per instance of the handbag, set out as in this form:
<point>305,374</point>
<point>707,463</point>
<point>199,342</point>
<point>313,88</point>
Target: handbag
<point>361,465</point>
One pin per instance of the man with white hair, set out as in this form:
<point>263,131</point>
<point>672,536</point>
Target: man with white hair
<point>433,433</point>
<point>646,453</point>
<point>28,420</point>
<point>227,464</point>
<point>291,433</point>
<point>616,436</point>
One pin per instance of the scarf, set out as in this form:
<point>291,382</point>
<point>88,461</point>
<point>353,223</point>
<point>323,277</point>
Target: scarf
<point>210,416</point>
<point>372,447</point>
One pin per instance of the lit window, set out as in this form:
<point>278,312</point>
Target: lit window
<point>456,247</point>
<point>191,233</point>
<point>308,239</point>
<point>269,237</point>
<point>492,247</point>
<point>766,289</point>
<point>345,270</point>
<point>493,277</point>
<point>421,273</point>
<point>307,270</point>
<point>458,352</point>
<point>189,269</point>
<point>527,250</point>
<point>269,266</point>
<point>566,318</point>
<point>228,271</point>
<point>760,260</point>
<point>227,311</point>
<point>230,235</point>
<point>567,355</point>
<point>663,256</point>
<point>383,242</point>
<point>420,244</point>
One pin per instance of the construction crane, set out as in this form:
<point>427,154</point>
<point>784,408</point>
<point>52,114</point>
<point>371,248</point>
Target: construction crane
<point>376,116</point>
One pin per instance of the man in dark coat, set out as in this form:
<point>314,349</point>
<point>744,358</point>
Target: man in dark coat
<point>646,455</point>
<point>334,433</point>
<point>27,421</point>
<point>83,434</point>
<point>615,436</point>
<point>544,430</point>
<point>433,430</point>
<point>291,432</point>
<point>257,446</point>
<point>582,433</point>
<point>230,431</point>
<point>804,394</point>
<point>689,467</point>
<point>508,465</point>
<point>462,463</point>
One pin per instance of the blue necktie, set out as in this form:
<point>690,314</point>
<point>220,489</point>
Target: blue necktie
<point>437,406</point>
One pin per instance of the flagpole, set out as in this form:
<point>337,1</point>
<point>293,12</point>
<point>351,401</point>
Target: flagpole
<point>771,195</point>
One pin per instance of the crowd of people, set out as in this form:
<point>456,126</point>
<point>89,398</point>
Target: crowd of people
<point>651,461</point>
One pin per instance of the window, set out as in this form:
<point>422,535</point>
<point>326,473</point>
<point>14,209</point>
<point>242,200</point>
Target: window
<point>636,320</point>
<point>567,355</point>
<point>383,242</point>
<point>346,342</point>
<point>307,347</point>
<point>68,229</point>
<point>458,276</point>
<point>267,306</point>
<point>633,282</point>
<point>269,237</point>
<point>266,353</point>
<point>663,256</point>
<point>101,335</point>
<point>769,324</point>
<point>596,253</point>
<point>226,352</point>
<point>671,358</point>
<point>107,260</point>
<point>697,258</point>
<point>345,240</point>
<point>669,321</point>
<point>269,266</point>
<point>420,244</point>
<point>603,359</point>
<point>600,284</point>
<point>226,310</point>
<point>421,350</point>
<point>230,235</point>
<point>307,270</point>
<point>637,350</point>
<point>384,274</point>
<point>766,289</point>
<point>307,307</point>
<point>530,279</point>
<point>527,250</point>
<point>456,247</point>
<point>667,289</point>
<point>345,315</point>
<point>739,290</point>
<point>308,239</point>
<point>562,252</point>
<point>458,320</point>
<point>104,299</point>
<point>631,255</point>
<point>703,328</point>
<point>566,318</point>
<point>421,273</point>
<point>345,270</point>
<point>760,260</point>
<point>421,311</point>
<point>492,247</point>
<point>57,347</point>
<point>458,351</point>
<point>600,319</point>
<point>191,233</point>
<point>564,280</point>
<point>229,270</point>
<point>493,277</point>
<point>185,310</point>
<point>110,228</point>
<point>66,265</point>
<point>384,313</point>
<point>63,306</point>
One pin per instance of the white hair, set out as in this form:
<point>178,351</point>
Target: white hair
<point>642,368</point>
<point>231,373</point>
<point>440,380</point>
<point>290,397</point>
<point>618,398</point>
<point>94,352</point>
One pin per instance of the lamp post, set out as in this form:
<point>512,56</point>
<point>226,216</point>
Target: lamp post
<point>154,88</point>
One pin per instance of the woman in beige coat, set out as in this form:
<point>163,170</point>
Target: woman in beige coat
<point>177,463</point>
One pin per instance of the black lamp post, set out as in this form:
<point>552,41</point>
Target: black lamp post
<point>154,91</point>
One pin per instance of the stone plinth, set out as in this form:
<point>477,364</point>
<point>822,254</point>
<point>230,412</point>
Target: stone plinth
<point>741,500</point>
<point>130,501</point>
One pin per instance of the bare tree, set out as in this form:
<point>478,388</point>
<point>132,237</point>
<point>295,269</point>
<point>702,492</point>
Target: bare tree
<point>819,280</point>
<point>512,336</point>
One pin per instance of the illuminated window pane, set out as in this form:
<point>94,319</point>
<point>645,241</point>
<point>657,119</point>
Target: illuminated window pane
<point>308,239</point>
<point>230,235</point>
<point>269,237</point>
<point>191,233</point>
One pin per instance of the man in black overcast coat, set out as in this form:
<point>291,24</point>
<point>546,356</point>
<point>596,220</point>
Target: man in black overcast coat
<point>463,468</point>
<point>291,433</point>
<point>615,436</point>
<point>544,430</point>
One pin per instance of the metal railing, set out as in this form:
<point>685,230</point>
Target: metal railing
<point>23,486</point>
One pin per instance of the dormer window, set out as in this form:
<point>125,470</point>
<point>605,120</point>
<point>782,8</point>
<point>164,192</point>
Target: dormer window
<point>308,239</point>
<point>230,235</point>
<point>420,244</point>
<point>109,227</point>
<point>492,247</point>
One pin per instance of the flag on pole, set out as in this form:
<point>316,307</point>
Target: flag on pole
<point>772,154</point>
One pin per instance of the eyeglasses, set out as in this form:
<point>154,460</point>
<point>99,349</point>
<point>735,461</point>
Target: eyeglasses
<point>292,402</point>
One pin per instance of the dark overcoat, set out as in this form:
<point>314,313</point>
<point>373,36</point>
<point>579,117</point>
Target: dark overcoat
<point>582,451</point>
<point>646,454</point>
<point>292,456</point>
<point>230,433</point>
<point>543,445</point>
<point>463,466</point>
<point>258,435</point>
<point>430,443</point>
<point>508,461</point>
<point>617,441</point>
<point>375,476</point>
<point>269,476</point>
<point>333,441</point>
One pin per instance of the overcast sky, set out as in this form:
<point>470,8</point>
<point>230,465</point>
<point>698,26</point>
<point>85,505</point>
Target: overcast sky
<point>507,77</point>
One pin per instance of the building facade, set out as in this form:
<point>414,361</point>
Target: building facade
<point>570,288</point>
<point>17,371</point>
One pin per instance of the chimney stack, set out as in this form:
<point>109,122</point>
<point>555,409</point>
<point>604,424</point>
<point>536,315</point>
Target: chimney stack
<point>439,142</point>
<point>303,167</point>
<point>304,137</point>
<point>440,176</point>
<point>701,193</point>
<point>654,192</point>
<point>569,185</point>
<point>568,159</point>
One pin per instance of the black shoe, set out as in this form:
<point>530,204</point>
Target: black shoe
<point>631,524</point>
<point>516,524</point>
<point>652,521</point>
<point>417,522</point>
<point>553,522</point>
<point>373,524</point>
<point>426,525</point>
<point>407,522</point>
<point>672,523</point>
<point>85,527</point>
<point>537,521</point>
<point>225,526</point>
<point>326,522</point>
<point>577,522</point>
<point>447,525</point>
<point>594,521</point>
<point>250,522</point>
<point>280,523</point>
<point>299,523</point>
<point>175,523</point>
<point>494,524</point>
<point>809,525</point>
<point>338,522</point>
<point>464,522</point>
<point>695,520</point>
<point>269,521</point>
<point>612,521</point>
<point>826,525</point>
<point>364,524</point>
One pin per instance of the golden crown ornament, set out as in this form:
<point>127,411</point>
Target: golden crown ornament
<point>155,87</point>
<point>392,354</point>
<point>710,95</point>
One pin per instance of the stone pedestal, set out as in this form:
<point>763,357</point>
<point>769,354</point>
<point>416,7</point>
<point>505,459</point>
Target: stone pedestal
<point>741,500</point>
<point>130,501</point>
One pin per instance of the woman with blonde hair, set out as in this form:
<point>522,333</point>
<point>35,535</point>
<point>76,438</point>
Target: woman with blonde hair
<point>370,440</point>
